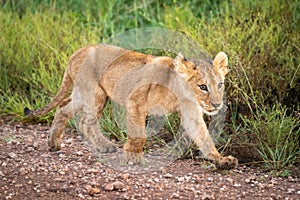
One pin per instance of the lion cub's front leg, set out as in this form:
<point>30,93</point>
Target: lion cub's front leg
<point>226,162</point>
<point>197,130</point>
<point>133,149</point>
<point>136,136</point>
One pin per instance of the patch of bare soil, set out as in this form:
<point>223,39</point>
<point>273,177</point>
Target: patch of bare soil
<point>29,171</point>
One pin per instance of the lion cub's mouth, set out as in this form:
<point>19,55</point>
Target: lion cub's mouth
<point>211,112</point>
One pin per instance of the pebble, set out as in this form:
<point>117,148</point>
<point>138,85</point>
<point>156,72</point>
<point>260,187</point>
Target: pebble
<point>92,171</point>
<point>29,149</point>
<point>125,176</point>
<point>168,175</point>
<point>290,190</point>
<point>230,180</point>
<point>22,171</point>
<point>175,195</point>
<point>180,179</point>
<point>92,190</point>
<point>35,145</point>
<point>114,185</point>
<point>210,179</point>
<point>109,187</point>
<point>81,196</point>
<point>237,185</point>
<point>118,185</point>
<point>62,172</point>
<point>12,155</point>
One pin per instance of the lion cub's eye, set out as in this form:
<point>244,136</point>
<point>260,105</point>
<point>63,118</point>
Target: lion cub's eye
<point>203,87</point>
<point>220,85</point>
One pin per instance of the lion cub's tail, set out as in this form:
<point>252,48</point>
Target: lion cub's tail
<point>62,94</point>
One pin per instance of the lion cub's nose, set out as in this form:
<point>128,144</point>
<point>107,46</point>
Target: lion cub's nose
<point>215,105</point>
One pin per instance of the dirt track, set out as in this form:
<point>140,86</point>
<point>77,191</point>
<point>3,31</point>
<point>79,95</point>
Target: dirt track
<point>29,171</point>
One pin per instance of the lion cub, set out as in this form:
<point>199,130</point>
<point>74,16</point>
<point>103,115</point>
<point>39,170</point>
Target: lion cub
<point>141,83</point>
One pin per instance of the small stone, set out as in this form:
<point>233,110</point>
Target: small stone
<point>58,180</point>
<point>118,185</point>
<point>114,185</point>
<point>156,180</point>
<point>168,175</point>
<point>211,179</point>
<point>35,145</point>
<point>291,179</point>
<point>92,171</point>
<point>290,191</point>
<point>180,179</point>
<point>12,155</point>
<point>22,171</point>
<point>81,196</point>
<point>109,187</point>
<point>130,163</point>
<point>206,196</point>
<point>125,176</point>
<point>79,153</point>
<point>237,185</point>
<point>62,173</point>
<point>87,187</point>
<point>230,180</point>
<point>94,190</point>
<point>175,195</point>
<point>247,180</point>
<point>29,149</point>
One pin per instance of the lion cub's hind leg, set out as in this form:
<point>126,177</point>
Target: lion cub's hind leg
<point>62,115</point>
<point>89,122</point>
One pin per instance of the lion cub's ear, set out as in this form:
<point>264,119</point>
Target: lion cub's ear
<point>180,65</point>
<point>221,62</point>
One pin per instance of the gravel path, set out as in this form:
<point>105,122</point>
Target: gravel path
<point>29,171</point>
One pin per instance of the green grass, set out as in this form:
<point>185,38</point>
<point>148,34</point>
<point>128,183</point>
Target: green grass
<point>261,39</point>
<point>277,136</point>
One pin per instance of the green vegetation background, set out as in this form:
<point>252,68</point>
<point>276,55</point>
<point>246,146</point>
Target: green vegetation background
<point>261,38</point>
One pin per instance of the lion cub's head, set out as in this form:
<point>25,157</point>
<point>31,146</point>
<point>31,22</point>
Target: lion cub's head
<point>206,79</point>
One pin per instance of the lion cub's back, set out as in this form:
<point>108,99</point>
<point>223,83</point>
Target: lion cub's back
<point>118,65</point>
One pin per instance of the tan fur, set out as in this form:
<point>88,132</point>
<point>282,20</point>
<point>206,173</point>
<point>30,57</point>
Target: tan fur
<point>143,84</point>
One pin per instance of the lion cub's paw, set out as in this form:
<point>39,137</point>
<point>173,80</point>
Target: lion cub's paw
<point>133,158</point>
<point>53,144</point>
<point>106,147</point>
<point>228,162</point>
<point>54,147</point>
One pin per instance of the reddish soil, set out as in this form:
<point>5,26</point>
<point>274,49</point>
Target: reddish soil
<point>29,171</point>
